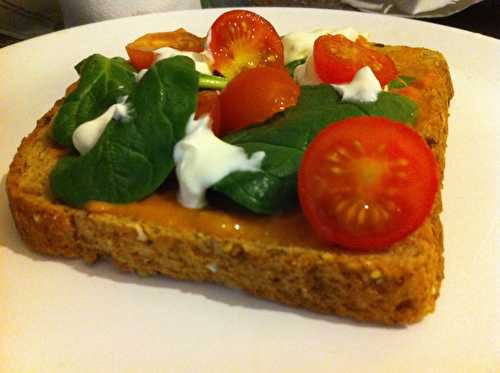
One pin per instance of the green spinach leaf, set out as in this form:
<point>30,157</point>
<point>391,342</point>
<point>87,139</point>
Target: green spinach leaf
<point>132,158</point>
<point>285,137</point>
<point>102,81</point>
<point>401,82</point>
<point>212,81</point>
<point>392,106</point>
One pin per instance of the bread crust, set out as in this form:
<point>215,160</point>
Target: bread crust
<point>395,287</point>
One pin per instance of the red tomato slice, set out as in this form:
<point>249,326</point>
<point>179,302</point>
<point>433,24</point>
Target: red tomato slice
<point>141,51</point>
<point>337,59</point>
<point>209,103</point>
<point>367,182</point>
<point>255,95</point>
<point>240,40</point>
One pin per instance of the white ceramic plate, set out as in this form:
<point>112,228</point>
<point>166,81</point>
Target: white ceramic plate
<point>64,316</point>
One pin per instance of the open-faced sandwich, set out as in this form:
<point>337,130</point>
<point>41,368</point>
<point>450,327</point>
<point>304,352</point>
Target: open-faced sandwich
<point>305,169</point>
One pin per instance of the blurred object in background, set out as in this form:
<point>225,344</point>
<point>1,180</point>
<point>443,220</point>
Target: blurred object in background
<point>413,8</point>
<point>79,12</point>
<point>24,19</point>
<point>332,4</point>
<point>483,18</point>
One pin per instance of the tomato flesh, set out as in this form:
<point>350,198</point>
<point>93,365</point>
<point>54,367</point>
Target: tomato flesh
<point>141,51</point>
<point>240,39</point>
<point>209,103</point>
<point>255,95</point>
<point>367,182</point>
<point>337,59</point>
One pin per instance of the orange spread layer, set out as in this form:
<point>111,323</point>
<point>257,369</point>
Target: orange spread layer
<point>283,229</point>
<point>289,228</point>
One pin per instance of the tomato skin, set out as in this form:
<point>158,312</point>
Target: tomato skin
<point>209,103</point>
<point>255,95</point>
<point>141,51</point>
<point>367,182</point>
<point>140,59</point>
<point>337,59</point>
<point>240,39</point>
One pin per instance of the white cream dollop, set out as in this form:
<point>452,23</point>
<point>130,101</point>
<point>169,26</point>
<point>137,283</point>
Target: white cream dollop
<point>305,74</point>
<point>300,44</point>
<point>201,61</point>
<point>364,87</point>
<point>87,134</point>
<point>140,74</point>
<point>202,159</point>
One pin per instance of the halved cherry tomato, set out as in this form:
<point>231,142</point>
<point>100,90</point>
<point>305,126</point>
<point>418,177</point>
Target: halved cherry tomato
<point>255,95</point>
<point>141,51</point>
<point>209,103</point>
<point>240,40</point>
<point>337,59</point>
<point>367,182</point>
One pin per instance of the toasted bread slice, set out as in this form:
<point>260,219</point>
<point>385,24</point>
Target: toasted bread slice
<point>276,257</point>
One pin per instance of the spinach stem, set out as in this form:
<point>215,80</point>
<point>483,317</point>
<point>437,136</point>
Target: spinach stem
<point>211,81</point>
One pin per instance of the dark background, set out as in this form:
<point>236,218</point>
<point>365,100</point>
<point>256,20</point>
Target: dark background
<point>483,18</point>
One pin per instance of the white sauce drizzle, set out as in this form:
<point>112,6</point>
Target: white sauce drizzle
<point>87,134</point>
<point>139,75</point>
<point>305,74</point>
<point>207,51</point>
<point>364,87</point>
<point>202,159</point>
<point>201,62</point>
<point>300,44</point>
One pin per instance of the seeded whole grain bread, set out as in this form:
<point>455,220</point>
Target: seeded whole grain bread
<point>395,287</point>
